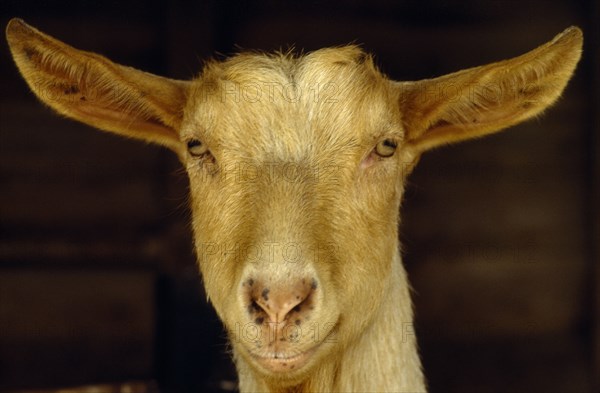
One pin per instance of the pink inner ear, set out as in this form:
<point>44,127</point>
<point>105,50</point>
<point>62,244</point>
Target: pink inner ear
<point>124,123</point>
<point>461,121</point>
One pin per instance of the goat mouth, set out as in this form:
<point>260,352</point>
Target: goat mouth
<point>284,362</point>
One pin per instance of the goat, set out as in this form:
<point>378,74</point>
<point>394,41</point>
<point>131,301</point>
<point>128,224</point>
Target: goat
<point>297,166</point>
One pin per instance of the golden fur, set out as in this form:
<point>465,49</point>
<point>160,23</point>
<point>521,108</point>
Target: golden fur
<point>290,192</point>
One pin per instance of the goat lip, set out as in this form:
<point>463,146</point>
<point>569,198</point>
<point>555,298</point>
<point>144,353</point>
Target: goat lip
<point>283,363</point>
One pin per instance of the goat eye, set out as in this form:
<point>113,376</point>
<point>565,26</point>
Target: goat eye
<point>196,148</point>
<point>386,148</point>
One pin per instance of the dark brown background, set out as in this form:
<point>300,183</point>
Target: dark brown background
<point>97,278</point>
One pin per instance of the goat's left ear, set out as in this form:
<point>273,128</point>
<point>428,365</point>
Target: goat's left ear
<point>90,88</point>
<point>483,100</point>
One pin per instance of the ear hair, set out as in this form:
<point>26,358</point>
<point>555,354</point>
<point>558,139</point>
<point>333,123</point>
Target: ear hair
<point>487,99</point>
<point>92,89</point>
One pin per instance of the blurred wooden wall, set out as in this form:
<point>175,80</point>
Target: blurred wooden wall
<point>97,277</point>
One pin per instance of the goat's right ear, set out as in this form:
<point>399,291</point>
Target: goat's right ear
<point>92,89</point>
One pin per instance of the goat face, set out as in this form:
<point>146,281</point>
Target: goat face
<point>296,171</point>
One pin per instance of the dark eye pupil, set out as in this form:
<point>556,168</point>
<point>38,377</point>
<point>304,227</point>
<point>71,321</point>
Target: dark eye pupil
<point>193,143</point>
<point>390,143</point>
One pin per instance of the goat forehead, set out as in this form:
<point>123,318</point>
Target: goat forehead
<point>285,107</point>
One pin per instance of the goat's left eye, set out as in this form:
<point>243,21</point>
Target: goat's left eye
<point>386,148</point>
<point>196,148</point>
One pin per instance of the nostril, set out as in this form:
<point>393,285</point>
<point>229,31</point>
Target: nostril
<point>278,303</point>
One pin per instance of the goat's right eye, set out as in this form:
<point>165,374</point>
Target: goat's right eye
<point>196,148</point>
<point>386,148</point>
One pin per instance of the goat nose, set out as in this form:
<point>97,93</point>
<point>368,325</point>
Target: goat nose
<point>278,302</point>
